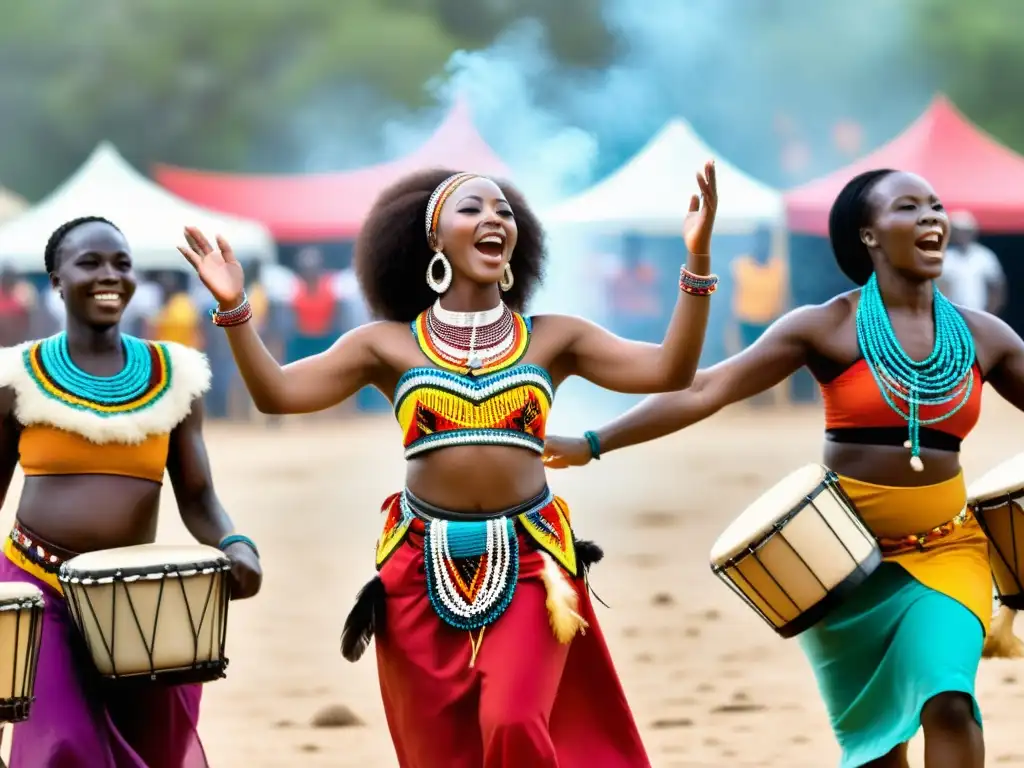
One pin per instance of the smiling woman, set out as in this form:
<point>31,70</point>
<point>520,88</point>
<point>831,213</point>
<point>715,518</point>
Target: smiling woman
<point>901,370</point>
<point>95,418</point>
<point>489,652</point>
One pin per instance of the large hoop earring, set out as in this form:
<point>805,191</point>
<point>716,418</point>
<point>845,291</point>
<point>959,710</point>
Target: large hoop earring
<point>507,280</point>
<point>442,285</point>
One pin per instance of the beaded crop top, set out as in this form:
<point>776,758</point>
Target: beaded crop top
<point>502,403</point>
<point>73,423</point>
<point>856,412</point>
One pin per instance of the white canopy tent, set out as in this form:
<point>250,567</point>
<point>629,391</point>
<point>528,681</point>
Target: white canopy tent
<point>151,218</point>
<point>11,204</point>
<point>650,194</point>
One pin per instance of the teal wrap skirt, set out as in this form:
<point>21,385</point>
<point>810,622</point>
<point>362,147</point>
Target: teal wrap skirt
<point>883,653</point>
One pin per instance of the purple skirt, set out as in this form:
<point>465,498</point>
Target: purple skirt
<point>77,720</point>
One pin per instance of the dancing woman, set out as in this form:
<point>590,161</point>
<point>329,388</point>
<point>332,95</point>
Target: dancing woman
<point>480,593</point>
<point>95,417</point>
<point>901,372</point>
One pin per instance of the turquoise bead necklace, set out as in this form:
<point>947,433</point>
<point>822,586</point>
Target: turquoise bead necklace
<point>944,376</point>
<point>131,383</point>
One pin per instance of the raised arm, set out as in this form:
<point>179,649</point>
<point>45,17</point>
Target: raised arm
<point>189,469</point>
<point>312,384</point>
<point>8,441</point>
<point>779,353</point>
<point>623,365</point>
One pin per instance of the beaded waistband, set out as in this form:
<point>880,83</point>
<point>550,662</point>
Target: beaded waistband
<point>38,551</point>
<point>424,510</point>
<point>920,541</point>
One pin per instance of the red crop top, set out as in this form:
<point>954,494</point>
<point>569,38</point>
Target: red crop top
<point>856,412</point>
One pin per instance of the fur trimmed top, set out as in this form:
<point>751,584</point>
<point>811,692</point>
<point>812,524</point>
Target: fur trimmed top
<point>111,431</point>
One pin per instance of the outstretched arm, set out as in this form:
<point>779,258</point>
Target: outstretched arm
<point>779,353</point>
<point>308,385</point>
<point>636,367</point>
<point>189,468</point>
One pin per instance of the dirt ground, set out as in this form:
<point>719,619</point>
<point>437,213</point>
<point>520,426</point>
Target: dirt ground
<point>710,684</point>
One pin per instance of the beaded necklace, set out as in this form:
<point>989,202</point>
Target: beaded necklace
<point>470,342</point>
<point>129,384</point>
<point>947,374</point>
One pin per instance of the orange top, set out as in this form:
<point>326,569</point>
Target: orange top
<point>46,450</point>
<point>853,401</point>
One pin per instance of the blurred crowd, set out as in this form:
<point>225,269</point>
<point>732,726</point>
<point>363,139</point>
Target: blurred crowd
<point>302,313</point>
<point>298,314</point>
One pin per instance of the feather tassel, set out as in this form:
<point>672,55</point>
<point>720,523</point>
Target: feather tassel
<point>364,620</point>
<point>1001,643</point>
<point>563,601</point>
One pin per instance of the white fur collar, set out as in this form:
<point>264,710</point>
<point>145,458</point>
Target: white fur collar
<point>190,378</point>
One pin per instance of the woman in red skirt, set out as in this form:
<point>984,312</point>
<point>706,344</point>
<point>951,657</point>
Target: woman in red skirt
<point>488,649</point>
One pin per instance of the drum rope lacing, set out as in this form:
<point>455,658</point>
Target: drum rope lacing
<point>947,374</point>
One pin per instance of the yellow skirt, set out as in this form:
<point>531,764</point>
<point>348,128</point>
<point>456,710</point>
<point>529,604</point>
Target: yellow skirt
<point>956,565</point>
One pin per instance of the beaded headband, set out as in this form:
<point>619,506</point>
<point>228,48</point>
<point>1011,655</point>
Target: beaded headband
<point>437,200</point>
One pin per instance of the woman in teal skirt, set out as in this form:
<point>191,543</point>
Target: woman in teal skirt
<point>901,371</point>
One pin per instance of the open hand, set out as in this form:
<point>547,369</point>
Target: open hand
<point>701,218</point>
<point>217,267</point>
<point>246,573</point>
<point>562,452</point>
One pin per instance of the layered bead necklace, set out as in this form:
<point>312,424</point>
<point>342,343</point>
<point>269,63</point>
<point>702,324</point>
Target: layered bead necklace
<point>946,375</point>
<point>471,339</point>
<point>119,389</point>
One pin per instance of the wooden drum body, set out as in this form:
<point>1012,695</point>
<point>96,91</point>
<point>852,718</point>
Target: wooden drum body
<point>995,499</point>
<point>21,630</point>
<point>152,612</point>
<point>797,551</point>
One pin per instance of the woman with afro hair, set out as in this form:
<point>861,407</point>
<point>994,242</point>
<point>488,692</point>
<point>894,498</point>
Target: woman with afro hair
<point>488,650</point>
<point>903,651</point>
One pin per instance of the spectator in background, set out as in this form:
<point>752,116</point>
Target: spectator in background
<point>178,319</point>
<point>633,292</point>
<point>16,302</point>
<point>314,307</point>
<point>971,274</point>
<point>759,293</point>
<point>145,304</point>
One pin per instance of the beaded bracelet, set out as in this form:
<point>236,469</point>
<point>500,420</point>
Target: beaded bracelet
<point>595,444</point>
<point>237,316</point>
<point>237,538</point>
<point>697,285</point>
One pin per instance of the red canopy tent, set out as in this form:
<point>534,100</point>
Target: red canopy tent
<point>330,206</point>
<point>969,169</point>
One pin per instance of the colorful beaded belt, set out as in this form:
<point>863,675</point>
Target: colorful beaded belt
<point>39,552</point>
<point>471,562</point>
<point>920,541</point>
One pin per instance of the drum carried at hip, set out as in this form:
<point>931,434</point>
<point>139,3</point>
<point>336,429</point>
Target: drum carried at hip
<point>995,499</point>
<point>152,612</point>
<point>797,551</point>
<point>21,630</point>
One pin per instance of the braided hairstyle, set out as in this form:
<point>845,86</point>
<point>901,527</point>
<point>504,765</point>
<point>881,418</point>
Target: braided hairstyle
<point>53,244</point>
<point>851,211</point>
<point>392,253</point>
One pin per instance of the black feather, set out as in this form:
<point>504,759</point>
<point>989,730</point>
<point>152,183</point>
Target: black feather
<point>364,620</point>
<point>588,554</point>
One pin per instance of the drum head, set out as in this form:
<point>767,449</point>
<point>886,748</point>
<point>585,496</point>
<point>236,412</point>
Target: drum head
<point>759,517</point>
<point>13,593</point>
<point>142,560</point>
<point>1002,480</point>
